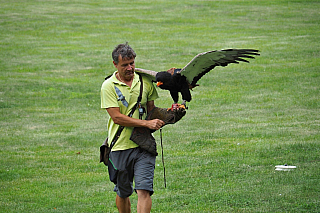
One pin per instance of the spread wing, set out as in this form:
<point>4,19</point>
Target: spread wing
<point>204,62</point>
<point>152,74</point>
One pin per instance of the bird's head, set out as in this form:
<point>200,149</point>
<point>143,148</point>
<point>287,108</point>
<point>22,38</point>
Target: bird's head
<point>163,79</point>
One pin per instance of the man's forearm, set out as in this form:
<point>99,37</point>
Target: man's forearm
<point>124,120</point>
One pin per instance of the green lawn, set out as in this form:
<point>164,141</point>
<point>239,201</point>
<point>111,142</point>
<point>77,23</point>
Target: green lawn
<point>243,120</point>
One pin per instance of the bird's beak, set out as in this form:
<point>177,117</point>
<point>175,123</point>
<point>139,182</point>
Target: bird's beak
<point>159,83</point>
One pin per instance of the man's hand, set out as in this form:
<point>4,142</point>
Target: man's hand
<point>155,124</point>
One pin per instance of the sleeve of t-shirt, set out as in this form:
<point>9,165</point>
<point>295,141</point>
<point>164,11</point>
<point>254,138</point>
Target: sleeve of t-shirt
<point>108,96</point>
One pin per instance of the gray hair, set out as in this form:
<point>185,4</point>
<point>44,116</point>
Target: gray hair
<point>124,50</point>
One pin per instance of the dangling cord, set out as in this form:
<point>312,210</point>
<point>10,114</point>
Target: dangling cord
<point>164,168</point>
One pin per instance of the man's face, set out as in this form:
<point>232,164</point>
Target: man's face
<point>125,68</point>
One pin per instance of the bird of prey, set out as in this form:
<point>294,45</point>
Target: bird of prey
<point>183,80</point>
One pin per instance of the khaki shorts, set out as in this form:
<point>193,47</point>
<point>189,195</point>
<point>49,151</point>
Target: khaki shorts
<point>136,164</point>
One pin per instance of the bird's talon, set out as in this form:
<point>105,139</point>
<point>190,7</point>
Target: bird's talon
<point>182,106</point>
<point>177,107</point>
<point>174,107</point>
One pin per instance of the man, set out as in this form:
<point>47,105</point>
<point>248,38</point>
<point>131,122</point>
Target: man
<point>126,155</point>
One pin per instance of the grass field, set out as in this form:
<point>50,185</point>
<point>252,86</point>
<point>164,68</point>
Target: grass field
<point>243,120</point>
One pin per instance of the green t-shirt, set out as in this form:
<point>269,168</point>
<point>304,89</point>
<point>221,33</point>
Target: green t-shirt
<point>109,98</point>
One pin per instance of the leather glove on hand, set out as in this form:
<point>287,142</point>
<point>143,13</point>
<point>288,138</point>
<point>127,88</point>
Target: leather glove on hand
<point>169,117</point>
<point>142,135</point>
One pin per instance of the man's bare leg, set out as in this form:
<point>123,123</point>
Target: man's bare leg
<point>123,204</point>
<point>144,201</point>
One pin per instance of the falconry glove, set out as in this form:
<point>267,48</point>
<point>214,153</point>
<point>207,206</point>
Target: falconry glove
<point>142,135</point>
<point>168,116</point>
